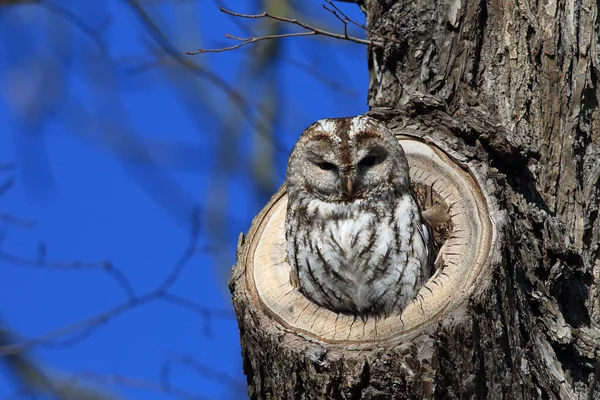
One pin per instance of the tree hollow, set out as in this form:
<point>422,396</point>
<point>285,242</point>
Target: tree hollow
<point>466,253</point>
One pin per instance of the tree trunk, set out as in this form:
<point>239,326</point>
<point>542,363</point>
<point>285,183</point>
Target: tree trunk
<point>508,91</point>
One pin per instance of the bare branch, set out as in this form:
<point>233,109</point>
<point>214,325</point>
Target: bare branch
<point>344,18</point>
<point>246,41</point>
<point>310,30</point>
<point>313,70</point>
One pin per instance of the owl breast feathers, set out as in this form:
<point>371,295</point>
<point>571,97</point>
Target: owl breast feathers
<point>355,236</point>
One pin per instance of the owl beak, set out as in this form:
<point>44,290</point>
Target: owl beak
<point>350,185</point>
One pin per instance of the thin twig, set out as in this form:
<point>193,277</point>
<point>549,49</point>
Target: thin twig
<point>248,41</point>
<point>311,30</point>
<point>344,18</point>
<point>311,70</point>
<point>236,21</point>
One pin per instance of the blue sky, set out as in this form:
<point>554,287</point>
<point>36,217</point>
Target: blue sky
<point>114,147</point>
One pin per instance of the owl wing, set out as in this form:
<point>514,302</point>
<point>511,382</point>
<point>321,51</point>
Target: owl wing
<point>427,235</point>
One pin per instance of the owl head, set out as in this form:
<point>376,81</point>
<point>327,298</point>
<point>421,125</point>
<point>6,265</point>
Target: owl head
<point>341,160</point>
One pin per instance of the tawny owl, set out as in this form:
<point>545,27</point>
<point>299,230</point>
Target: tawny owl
<point>354,232</point>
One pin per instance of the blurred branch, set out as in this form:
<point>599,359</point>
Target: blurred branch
<point>12,220</point>
<point>205,371</point>
<point>7,185</point>
<point>36,380</point>
<point>9,3</point>
<point>136,383</point>
<point>313,70</point>
<point>8,218</point>
<point>167,2</point>
<point>201,369</point>
<point>205,312</point>
<point>77,21</point>
<point>198,70</point>
<point>310,69</point>
<point>310,30</point>
<point>7,166</point>
<point>169,49</point>
<point>41,262</point>
<point>84,328</point>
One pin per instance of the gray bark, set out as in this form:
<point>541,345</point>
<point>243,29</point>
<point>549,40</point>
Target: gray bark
<point>513,85</point>
<point>518,80</point>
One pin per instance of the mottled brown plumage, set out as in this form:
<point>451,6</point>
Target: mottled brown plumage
<point>355,236</point>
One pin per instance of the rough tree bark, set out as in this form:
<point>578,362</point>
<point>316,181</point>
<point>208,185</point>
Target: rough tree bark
<point>509,84</point>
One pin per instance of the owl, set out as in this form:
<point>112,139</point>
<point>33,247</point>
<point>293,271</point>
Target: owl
<point>355,237</point>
